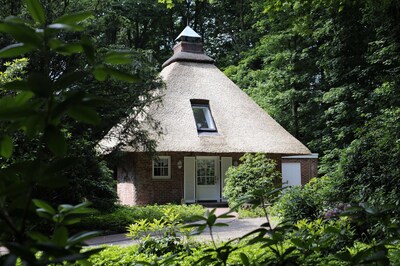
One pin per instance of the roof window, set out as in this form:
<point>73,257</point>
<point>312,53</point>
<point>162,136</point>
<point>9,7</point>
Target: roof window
<point>202,116</point>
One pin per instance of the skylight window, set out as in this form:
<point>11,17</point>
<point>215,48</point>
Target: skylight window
<point>203,117</point>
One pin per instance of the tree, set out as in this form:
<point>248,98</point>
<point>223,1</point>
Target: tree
<point>36,108</point>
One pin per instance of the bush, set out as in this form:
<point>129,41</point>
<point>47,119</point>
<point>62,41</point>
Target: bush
<point>256,171</point>
<point>122,216</point>
<point>305,202</point>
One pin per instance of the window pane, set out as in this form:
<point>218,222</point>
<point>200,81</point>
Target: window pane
<point>202,116</point>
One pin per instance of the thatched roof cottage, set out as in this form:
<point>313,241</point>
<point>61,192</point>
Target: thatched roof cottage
<point>208,123</point>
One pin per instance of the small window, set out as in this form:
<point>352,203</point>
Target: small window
<point>162,167</point>
<point>203,117</point>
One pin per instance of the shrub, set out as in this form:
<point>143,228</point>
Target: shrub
<point>256,171</point>
<point>122,216</point>
<point>305,202</point>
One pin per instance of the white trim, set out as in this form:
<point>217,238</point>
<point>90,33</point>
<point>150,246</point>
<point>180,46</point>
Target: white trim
<point>308,156</point>
<point>169,168</point>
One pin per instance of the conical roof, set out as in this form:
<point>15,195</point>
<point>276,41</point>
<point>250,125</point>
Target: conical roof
<point>242,126</point>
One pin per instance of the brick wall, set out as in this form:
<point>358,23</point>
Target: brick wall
<point>135,185</point>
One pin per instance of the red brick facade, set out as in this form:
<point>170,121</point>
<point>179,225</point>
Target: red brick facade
<point>135,185</point>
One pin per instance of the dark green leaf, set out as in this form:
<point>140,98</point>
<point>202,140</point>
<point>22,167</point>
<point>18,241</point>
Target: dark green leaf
<point>99,73</point>
<point>74,18</point>
<point>40,84</point>
<point>89,48</point>
<point>84,114</point>
<point>36,10</point>
<point>22,33</point>
<point>68,79</point>
<point>17,85</point>
<point>220,224</point>
<point>69,49</point>
<point>80,237</point>
<point>39,237</point>
<point>55,141</point>
<point>6,146</point>
<point>44,205</point>
<point>14,50</point>
<point>60,236</point>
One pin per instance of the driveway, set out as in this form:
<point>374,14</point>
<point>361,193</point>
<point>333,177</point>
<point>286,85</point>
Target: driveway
<point>236,228</point>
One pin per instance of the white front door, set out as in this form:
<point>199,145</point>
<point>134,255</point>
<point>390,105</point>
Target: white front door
<point>207,178</point>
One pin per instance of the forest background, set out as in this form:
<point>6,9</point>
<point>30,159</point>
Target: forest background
<point>327,71</point>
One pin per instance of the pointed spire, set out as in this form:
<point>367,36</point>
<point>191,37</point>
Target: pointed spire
<point>188,34</point>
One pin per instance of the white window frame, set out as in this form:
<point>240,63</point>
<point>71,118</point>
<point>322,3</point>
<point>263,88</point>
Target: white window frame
<point>208,116</point>
<point>169,168</point>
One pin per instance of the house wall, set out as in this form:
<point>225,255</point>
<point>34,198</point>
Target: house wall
<point>135,185</point>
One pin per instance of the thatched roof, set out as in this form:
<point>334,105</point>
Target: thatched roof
<point>242,126</point>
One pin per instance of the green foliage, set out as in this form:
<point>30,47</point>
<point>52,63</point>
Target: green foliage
<point>122,216</point>
<point>368,171</point>
<point>34,108</point>
<point>254,172</point>
<point>306,202</point>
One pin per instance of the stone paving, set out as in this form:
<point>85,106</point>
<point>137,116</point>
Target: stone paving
<point>236,228</point>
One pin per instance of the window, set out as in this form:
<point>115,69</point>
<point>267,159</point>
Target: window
<point>202,116</point>
<point>162,167</point>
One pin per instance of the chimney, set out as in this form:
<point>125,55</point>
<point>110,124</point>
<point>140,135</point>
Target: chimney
<point>189,41</point>
<point>188,49</point>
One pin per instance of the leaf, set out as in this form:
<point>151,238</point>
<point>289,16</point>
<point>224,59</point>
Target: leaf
<point>40,84</point>
<point>84,114</point>
<point>36,10</point>
<point>221,224</point>
<point>22,33</point>
<point>69,49</point>
<point>16,85</point>
<point>59,26</point>
<point>88,48</point>
<point>68,79</point>
<point>14,50</point>
<point>118,57</point>
<point>245,259</point>
<point>55,141</point>
<point>39,237</point>
<point>44,205</point>
<point>60,236</point>
<point>99,73</point>
<point>80,237</point>
<point>74,18</point>
<point>6,146</point>
<point>14,19</point>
